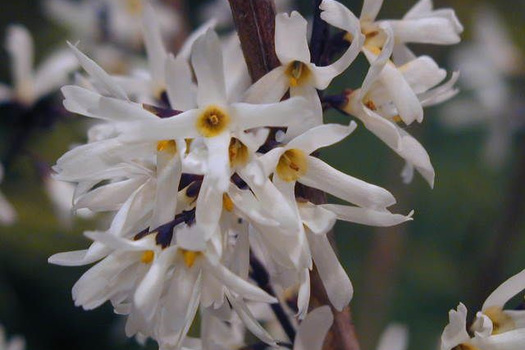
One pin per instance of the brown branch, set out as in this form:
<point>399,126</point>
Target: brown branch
<point>255,22</point>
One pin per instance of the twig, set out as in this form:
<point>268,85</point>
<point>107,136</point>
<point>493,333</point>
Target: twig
<point>255,22</point>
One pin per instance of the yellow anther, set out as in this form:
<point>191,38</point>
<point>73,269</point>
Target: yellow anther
<point>227,203</point>
<point>371,105</point>
<point>297,73</point>
<point>501,322</point>
<point>147,257</point>
<point>238,152</point>
<point>212,121</point>
<point>292,165</point>
<point>189,257</point>
<point>348,37</point>
<point>168,146</point>
<point>397,119</point>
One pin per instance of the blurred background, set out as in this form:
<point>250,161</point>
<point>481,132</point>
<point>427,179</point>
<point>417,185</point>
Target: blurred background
<point>465,240</point>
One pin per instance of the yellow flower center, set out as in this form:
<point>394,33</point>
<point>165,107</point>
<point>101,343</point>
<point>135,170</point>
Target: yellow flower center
<point>238,152</point>
<point>227,203</point>
<point>212,121</point>
<point>189,257</point>
<point>147,257</point>
<point>297,73</point>
<point>292,165</point>
<point>168,146</point>
<point>501,322</point>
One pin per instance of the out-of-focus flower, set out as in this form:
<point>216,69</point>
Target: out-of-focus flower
<point>493,328</point>
<point>29,85</point>
<point>115,21</point>
<point>486,66</point>
<point>394,337</point>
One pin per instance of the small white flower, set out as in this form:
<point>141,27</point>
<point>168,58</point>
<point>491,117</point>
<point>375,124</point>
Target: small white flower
<point>494,328</point>
<point>30,85</point>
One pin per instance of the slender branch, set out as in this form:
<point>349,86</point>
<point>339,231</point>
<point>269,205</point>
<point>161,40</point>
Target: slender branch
<point>259,274</point>
<point>255,22</point>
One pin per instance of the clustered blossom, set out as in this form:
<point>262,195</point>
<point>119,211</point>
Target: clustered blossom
<point>205,174</point>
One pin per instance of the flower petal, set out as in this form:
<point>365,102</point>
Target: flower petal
<point>291,43</point>
<point>321,136</point>
<point>268,89</point>
<point>322,176</point>
<point>505,291</point>
<point>370,9</point>
<point>208,67</point>
<point>364,216</point>
<point>312,331</point>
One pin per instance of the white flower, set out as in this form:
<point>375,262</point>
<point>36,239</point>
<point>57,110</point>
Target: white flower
<point>486,75</point>
<point>16,343</point>
<point>296,73</point>
<point>494,328</point>
<point>393,94</point>
<point>111,20</point>
<point>421,24</point>
<point>394,337</point>
<point>30,85</point>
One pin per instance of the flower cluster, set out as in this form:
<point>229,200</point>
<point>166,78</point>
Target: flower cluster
<point>207,176</point>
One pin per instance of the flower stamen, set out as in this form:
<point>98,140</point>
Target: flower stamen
<point>212,121</point>
<point>292,165</point>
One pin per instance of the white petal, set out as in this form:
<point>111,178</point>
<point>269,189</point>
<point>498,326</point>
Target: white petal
<point>268,89</point>
<point>455,332</point>
<point>148,292</point>
<point>180,86</point>
<point>169,170</point>
<point>364,216</point>
<point>303,295</point>
<point>8,214</point>
<point>317,218</point>
<point>80,257</point>
<point>250,322</point>
<point>341,17</point>
<point>431,30</point>
<point>338,287</point>
<point>218,161</point>
<point>321,136</point>
<point>54,71</point>
<point>236,284</point>
<point>395,337</point>
<point>322,176</point>
<point>291,38</point>
<point>209,207</point>
<point>506,291</point>
<point>208,67</point>
<point>176,313</point>
<point>315,111</point>
<point>422,74</point>
<point>99,74</point>
<point>370,9</point>
<point>512,340</point>
<point>313,330</point>
<point>414,153</point>
<point>153,41</point>
<point>283,113</point>
<point>19,45</point>
<point>119,243</point>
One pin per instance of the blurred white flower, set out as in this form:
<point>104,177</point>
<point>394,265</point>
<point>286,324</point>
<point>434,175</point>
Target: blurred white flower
<point>29,85</point>
<point>486,65</point>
